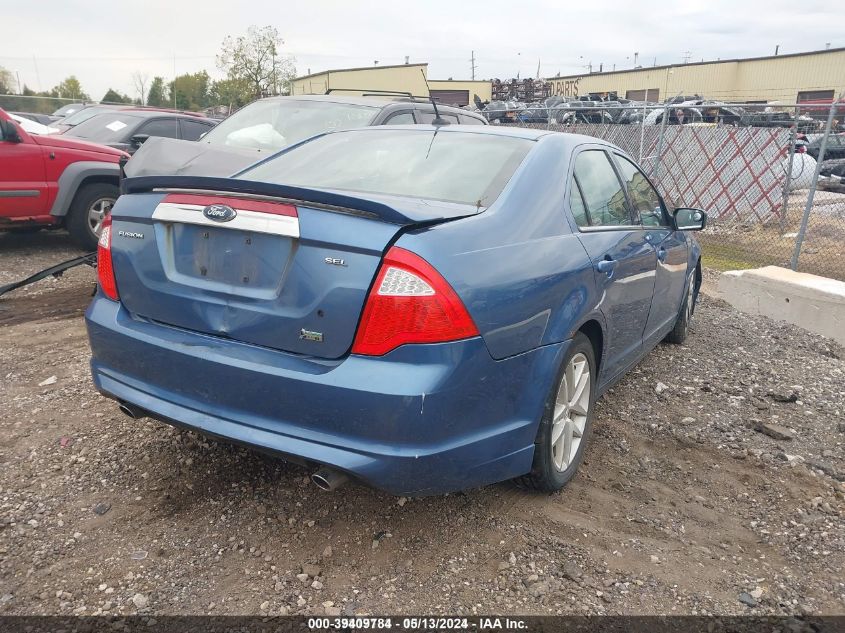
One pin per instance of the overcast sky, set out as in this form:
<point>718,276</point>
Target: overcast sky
<point>103,42</point>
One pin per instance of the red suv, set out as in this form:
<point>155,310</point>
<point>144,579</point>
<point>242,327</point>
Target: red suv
<point>55,181</point>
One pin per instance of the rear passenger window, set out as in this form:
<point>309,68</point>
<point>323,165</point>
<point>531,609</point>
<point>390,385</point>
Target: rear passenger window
<point>470,120</point>
<point>193,130</point>
<point>161,127</point>
<point>576,203</point>
<point>428,117</point>
<point>400,118</point>
<point>603,194</point>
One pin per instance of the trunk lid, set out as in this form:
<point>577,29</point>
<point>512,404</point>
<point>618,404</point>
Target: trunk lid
<point>160,156</point>
<point>289,270</point>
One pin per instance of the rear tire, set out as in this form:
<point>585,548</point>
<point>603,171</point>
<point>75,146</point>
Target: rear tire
<point>679,333</point>
<point>91,204</point>
<point>567,420</point>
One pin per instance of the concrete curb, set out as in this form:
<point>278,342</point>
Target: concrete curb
<point>814,303</point>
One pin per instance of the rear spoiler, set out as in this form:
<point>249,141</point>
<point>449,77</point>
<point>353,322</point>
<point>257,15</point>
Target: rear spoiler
<point>317,198</point>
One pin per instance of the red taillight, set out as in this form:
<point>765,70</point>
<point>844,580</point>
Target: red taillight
<point>105,271</point>
<point>410,303</point>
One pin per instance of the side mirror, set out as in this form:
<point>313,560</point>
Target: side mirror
<point>138,139</point>
<point>687,219</point>
<point>9,132</point>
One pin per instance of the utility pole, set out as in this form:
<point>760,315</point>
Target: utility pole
<point>275,88</point>
<point>687,56</point>
<point>174,81</point>
<point>472,65</point>
<point>636,57</point>
<point>37,74</point>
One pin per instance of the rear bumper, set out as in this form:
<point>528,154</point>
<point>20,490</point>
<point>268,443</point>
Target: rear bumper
<point>424,419</point>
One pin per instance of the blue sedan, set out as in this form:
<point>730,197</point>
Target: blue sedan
<point>424,309</point>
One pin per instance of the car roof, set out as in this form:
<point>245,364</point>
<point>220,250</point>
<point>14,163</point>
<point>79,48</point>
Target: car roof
<point>139,113</point>
<point>149,114</point>
<point>530,134</point>
<point>566,140</point>
<point>374,101</point>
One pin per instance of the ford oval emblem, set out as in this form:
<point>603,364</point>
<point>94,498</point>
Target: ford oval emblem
<point>219,212</point>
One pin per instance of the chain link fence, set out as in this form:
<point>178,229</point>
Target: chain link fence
<point>771,178</point>
<point>35,104</point>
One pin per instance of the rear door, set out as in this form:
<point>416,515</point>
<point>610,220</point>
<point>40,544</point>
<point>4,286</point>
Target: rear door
<point>623,260</point>
<point>670,247</point>
<point>23,187</point>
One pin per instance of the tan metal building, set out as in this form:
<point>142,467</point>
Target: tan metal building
<point>811,76</point>
<point>402,78</point>
<point>816,75</point>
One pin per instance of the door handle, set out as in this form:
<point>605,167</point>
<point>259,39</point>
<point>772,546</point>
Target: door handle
<point>606,265</point>
<point>661,254</point>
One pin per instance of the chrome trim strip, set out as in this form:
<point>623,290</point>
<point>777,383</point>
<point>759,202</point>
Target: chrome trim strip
<point>251,221</point>
<point>296,202</point>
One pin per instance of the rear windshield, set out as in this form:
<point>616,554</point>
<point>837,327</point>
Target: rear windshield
<point>83,115</point>
<point>68,109</point>
<point>277,123</point>
<point>111,127</point>
<point>452,166</point>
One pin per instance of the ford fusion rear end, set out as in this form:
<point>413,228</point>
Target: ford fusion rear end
<point>295,313</point>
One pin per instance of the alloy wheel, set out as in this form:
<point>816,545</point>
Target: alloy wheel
<point>690,298</point>
<point>97,212</point>
<point>571,408</point>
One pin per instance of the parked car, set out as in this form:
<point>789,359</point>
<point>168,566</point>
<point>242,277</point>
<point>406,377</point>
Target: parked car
<point>503,111</point>
<point>90,112</point>
<point>423,308</point>
<point>70,108</point>
<point>127,130</point>
<point>31,126</point>
<point>43,119</point>
<point>53,181</point>
<point>72,120</point>
<point>269,125</point>
<point>834,150</point>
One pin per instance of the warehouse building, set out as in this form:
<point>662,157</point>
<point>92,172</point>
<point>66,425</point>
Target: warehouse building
<point>799,77</point>
<point>402,78</point>
<point>795,78</point>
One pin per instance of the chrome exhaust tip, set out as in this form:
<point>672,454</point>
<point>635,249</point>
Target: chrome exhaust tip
<point>132,411</point>
<point>329,479</point>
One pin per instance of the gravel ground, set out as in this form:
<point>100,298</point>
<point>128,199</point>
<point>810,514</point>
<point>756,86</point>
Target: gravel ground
<point>684,503</point>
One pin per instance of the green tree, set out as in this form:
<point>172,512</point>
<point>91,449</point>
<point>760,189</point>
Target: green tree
<point>190,90</point>
<point>156,96</point>
<point>112,96</point>
<point>7,82</point>
<point>234,93</point>
<point>70,88</point>
<point>257,60</point>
